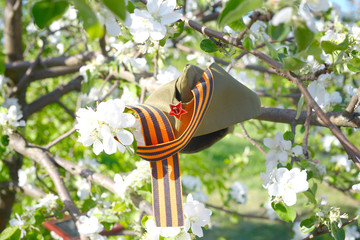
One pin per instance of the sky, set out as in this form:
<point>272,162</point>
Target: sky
<point>344,4</point>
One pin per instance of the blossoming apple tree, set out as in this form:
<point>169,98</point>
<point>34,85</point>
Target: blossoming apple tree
<point>69,68</point>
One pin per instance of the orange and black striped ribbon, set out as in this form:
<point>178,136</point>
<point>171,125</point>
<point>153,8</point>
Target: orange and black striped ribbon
<point>162,150</point>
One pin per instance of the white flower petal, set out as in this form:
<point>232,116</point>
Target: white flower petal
<point>170,18</point>
<point>283,16</point>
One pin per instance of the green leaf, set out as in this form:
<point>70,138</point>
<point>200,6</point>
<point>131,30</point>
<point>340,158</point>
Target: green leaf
<point>39,218</point>
<point>58,215</point>
<point>46,11</point>
<point>247,44</point>
<point>143,220</point>
<point>4,140</point>
<point>354,64</point>
<point>299,106</point>
<point>329,46</point>
<point>315,50</point>
<point>130,7</point>
<point>288,135</point>
<point>119,207</point>
<point>303,36</point>
<point>237,25</point>
<point>307,225</point>
<point>292,63</point>
<point>273,52</point>
<point>89,19</point>
<point>116,6</point>
<point>285,213</point>
<point>310,195</point>
<point>336,232</point>
<point>278,32</point>
<point>8,232</point>
<point>179,30</point>
<point>2,67</point>
<point>236,9</point>
<point>208,46</point>
<point>162,42</point>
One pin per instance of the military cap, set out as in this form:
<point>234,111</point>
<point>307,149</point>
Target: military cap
<point>231,103</point>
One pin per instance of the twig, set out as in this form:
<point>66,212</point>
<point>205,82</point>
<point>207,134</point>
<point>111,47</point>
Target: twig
<point>246,215</point>
<point>354,103</point>
<point>329,230</point>
<point>52,97</point>
<point>353,152</point>
<point>30,70</point>
<point>59,139</point>
<point>41,181</point>
<point>306,136</point>
<point>156,60</point>
<point>114,86</point>
<point>107,79</point>
<point>252,141</point>
<point>71,113</point>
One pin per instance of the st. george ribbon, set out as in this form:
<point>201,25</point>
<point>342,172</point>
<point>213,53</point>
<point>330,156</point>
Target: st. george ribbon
<point>162,151</point>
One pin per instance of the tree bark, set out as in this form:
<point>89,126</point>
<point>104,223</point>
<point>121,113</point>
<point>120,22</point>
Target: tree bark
<point>13,31</point>
<point>13,52</point>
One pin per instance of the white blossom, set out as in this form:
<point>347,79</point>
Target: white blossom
<point>85,71</point>
<point>356,187</point>
<point>153,232</point>
<point>137,64</point>
<point>305,13</point>
<point>244,79</point>
<point>191,183</point>
<point>238,192</point>
<point>279,151</point>
<point>26,176</point>
<point>134,180</point>
<point>128,97</point>
<point>107,18</point>
<point>352,233</point>
<point>20,223</point>
<point>270,212</point>
<point>100,128</point>
<point>298,234</point>
<point>3,80</point>
<point>49,202</point>
<point>83,188</point>
<point>120,186</point>
<point>328,140</point>
<point>88,163</point>
<point>331,35</point>
<point>71,13</point>
<point>167,75</point>
<point>55,236</point>
<point>341,160</point>
<point>286,184</point>
<point>196,216</point>
<point>318,5</point>
<point>90,226</point>
<point>282,16</point>
<point>151,23</point>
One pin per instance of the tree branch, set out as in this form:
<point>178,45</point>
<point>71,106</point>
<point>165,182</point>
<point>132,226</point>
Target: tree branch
<point>52,97</point>
<point>29,71</point>
<point>17,69</point>
<point>13,30</point>
<point>288,116</point>
<point>19,144</point>
<point>59,139</point>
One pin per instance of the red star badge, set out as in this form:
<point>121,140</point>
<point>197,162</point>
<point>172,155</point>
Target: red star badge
<point>177,110</point>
